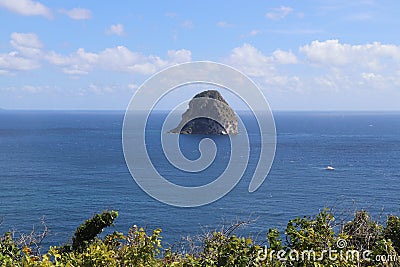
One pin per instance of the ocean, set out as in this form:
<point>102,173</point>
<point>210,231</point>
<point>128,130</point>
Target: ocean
<point>65,166</point>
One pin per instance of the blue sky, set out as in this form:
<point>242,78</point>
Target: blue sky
<point>304,55</point>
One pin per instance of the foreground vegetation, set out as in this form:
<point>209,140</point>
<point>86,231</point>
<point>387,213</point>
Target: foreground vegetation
<point>309,241</point>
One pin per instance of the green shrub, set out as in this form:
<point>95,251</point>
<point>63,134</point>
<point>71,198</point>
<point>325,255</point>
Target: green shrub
<point>224,250</point>
<point>392,231</point>
<point>9,251</point>
<point>313,235</point>
<point>87,231</point>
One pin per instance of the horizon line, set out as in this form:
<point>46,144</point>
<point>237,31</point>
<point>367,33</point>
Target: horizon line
<point>238,110</point>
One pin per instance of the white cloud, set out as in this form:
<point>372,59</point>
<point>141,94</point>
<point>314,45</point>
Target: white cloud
<point>375,80</point>
<point>25,56</point>
<point>13,62</point>
<point>283,57</point>
<point>224,24</point>
<point>32,88</point>
<point>29,54</point>
<point>263,68</point>
<point>77,13</point>
<point>122,59</point>
<point>3,72</point>
<point>341,67</point>
<point>26,8</point>
<point>179,56</point>
<point>254,32</point>
<point>116,29</point>
<point>350,67</point>
<point>132,86</point>
<point>251,33</point>
<point>370,76</point>
<point>28,44</point>
<point>251,61</point>
<point>360,17</point>
<point>284,83</point>
<point>77,63</point>
<point>325,81</point>
<point>118,58</point>
<point>279,13</point>
<point>27,88</point>
<point>331,53</point>
<point>100,90</point>
<point>254,63</point>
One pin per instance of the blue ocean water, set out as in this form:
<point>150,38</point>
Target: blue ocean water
<point>68,165</point>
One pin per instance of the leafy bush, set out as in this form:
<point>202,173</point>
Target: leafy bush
<point>9,250</point>
<point>392,231</point>
<point>91,228</point>
<point>306,241</point>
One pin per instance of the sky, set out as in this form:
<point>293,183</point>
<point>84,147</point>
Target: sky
<point>303,55</point>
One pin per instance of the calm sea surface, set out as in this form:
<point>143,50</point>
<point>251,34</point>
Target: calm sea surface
<point>68,165</point>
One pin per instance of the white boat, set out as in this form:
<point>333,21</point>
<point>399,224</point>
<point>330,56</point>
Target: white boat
<point>329,168</point>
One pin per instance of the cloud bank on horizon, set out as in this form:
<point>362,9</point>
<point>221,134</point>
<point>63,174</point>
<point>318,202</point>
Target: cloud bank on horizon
<point>323,56</point>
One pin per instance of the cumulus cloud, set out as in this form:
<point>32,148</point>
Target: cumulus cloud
<point>354,67</point>
<point>26,55</point>
<point>251,61</point>
<point>179,56</point>
<point>263,68</point>
<point>256,64</point>
<point>13,62</point>
<point>279,13</point>
<point>77,13</point>
<point>28,44</point>
<point>284,57</point>
<point>77,63</point>
<point>116,29</point>
<point>29,53</point>
<point>26,8</point>
<point>118,58</point>
<point>334,54</point>
<point>341,67</point>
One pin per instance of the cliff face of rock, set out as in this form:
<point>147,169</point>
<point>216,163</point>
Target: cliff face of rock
<point>208,113</point>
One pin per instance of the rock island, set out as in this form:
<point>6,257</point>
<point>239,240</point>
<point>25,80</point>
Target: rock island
<point>208,113</point>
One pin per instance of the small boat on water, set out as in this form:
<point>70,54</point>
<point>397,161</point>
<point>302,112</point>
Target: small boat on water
<point>329,168</point>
